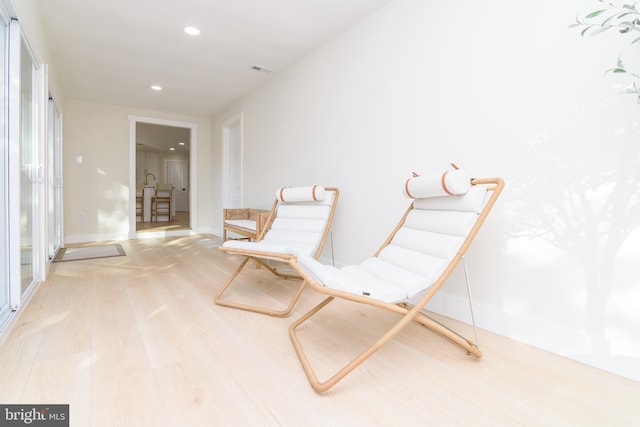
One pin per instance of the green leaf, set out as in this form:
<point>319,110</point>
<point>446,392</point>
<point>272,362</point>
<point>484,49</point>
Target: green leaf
<point>600,30</point>
<point>623,14</point>
<point>584,31</point>
<point>636,40</point>
<point>615,70</point>
<point>596,13</point>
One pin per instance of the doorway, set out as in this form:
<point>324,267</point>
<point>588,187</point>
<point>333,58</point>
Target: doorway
<point>162,151</point>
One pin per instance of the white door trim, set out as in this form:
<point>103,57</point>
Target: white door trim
<point>14,167</point>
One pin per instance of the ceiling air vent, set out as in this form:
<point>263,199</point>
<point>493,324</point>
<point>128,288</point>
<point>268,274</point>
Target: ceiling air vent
<point>261,68</point>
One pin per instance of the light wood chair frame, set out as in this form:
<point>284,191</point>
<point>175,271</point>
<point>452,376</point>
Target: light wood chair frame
<point>140,199</point>
<point>263,258</point>
<point>408,313</point>
<point>162,199</point>
<point>140,210</point>
<point>260,217</point>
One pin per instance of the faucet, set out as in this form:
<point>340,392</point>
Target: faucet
<point>146,182</point>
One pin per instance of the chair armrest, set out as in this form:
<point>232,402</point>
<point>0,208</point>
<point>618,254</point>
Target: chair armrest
<point>235,213</point>
<point>261,220</point>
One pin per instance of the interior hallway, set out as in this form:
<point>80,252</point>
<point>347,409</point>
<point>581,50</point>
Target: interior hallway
<point>179,222</point>
<point>137,340</point>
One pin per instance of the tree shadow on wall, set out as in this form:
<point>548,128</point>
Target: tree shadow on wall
<point>589,215</point>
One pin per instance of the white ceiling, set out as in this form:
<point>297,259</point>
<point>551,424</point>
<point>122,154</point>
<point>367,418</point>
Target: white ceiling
<point>112,51</point>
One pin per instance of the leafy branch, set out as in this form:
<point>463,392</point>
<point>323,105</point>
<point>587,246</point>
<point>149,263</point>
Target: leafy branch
<point>625,19</point>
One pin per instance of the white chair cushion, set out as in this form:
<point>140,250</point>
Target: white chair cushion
<point>356,280</point>
<point>297,224</point>
<point>427,242</point>
<point>308,211</point>
<point>449,182</point>
<point>320,272</point>
<point>400,279</point>
<point>300,194</point>
<point>301,237</point>
<point>416,262</point>
<point>418,254</point>
<point>472,201</point>
<point>280,247</point>
<point>444,222</point>
<point>373,278</point>
<point>298,227</point>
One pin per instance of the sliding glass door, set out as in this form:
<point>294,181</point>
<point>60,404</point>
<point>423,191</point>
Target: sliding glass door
<point>30,170</point>
<point>5,307</point>
<point>23,212</point>
<point>26,206</point>
<point>54,179</point>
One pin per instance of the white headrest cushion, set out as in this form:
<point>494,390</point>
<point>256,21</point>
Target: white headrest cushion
<point>449,182</point>
<point>300,194</point>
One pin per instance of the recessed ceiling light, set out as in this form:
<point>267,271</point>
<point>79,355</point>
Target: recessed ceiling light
<point>156,87</point>
<point>172,149</point>
<point>180,143</point>
<point>192,31</point>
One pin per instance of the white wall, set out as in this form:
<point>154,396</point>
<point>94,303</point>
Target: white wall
<point>502,89</point>
<point>99,185</point>
<point>29,18</point>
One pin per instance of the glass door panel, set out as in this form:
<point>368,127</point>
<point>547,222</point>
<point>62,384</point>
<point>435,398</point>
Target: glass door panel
<point>54,162</point>
<point>4,146</point>
<point>28,168</point>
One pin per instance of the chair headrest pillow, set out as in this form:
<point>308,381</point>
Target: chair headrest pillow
<point>312,193</point>
<point>450,182</point>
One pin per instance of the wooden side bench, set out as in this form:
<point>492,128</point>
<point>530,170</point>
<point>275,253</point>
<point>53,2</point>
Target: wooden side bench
<point>246,222</point>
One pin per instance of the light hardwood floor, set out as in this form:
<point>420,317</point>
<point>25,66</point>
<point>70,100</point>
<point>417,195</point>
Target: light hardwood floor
<point>138,341</point>
<point>179,222</point>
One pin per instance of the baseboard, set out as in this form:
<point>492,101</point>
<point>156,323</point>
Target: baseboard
<point>575,344</point>
<point>84,238</point>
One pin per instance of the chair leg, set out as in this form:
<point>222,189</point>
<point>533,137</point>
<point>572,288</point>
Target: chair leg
<point>456,338</point>
<point>257,309</point>
<point>410,315</point>
<point>353,364</point>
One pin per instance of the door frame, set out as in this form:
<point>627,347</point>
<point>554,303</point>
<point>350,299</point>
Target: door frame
<point>55,208</point>
<point>236,120</point>
<point>193,151</point>
<point>18,293</point>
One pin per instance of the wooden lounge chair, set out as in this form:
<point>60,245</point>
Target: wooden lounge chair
<point>298,225</point>
<point>411,265</point>
<point>245,222</point>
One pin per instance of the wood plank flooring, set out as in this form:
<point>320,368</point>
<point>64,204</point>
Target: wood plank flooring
<point>138,341</point>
